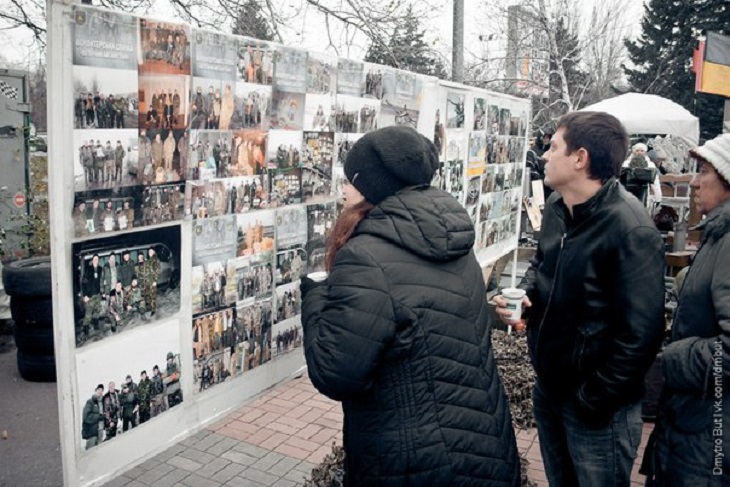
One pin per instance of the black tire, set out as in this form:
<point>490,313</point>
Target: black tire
<point>37,368</point>
<point>32,340</point>
<point>28,277</point>
<point>35,311</point>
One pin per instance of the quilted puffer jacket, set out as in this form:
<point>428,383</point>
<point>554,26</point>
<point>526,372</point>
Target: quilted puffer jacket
<point>399,333</point>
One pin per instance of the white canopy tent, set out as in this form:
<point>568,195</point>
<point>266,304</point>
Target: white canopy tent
<point>651,114</point>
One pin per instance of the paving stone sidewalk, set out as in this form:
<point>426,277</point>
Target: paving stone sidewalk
<point>275,440</point>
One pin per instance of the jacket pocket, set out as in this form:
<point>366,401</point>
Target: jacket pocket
<point>590,345</point>
<point>688,414</point>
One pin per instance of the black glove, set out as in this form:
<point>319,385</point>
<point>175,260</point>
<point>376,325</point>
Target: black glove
<point>308,284</point>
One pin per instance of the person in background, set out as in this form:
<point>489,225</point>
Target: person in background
<point>638,159</point>
<point>595,293</point>
<point>689,445</point>
<point>399,331</point>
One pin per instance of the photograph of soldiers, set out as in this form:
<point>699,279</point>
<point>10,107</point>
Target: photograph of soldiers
<point>477,149</point>
<point>321,74</point>
<point>319,113</point>
<point>215,336</point>
<point>104,39</point>
<point>455,110</point>
<point>286,187</point>
<point>514,124</point>
<point>213,286</point>
<point>480,114</point>
<point>287,110</point>
<point>214,240</point>
<point>168,156</point>
<point>210,155</point>
<point>374,81</point>
<point>453,178</point>
<point>493,120</point>
<point>401,98</point>
<point>320,220</point>
<point>343,144</point>
<point>488,180</point>
<point>255,61</point>
<point>504,118</point>
<point>290,264</point>
<point>165,48</point>
<point>105,158</point>
<point>105,98</point>
<point>290,70</point>
<point>347,113</point>
<point>252,105</point>
<point>122,283</point>
<point>214,55</point>
<point>163,203</point>
<point>256,234</point>
<point>92,422</point>
<point>485,207</point>
<point>501,153</point>
<point>254,278</point>
<point>255,323</point>
<point>286,337</point>
<point>163,101</point>
<point>350,77</point>
<point>248,153</point>
<point>288,306</point>
<point>284,149</point>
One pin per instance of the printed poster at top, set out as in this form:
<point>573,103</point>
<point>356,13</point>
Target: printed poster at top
<point>104,39</point>
<point>165,47</point>
<point>290,70</point>
<point>350,78</point>
<point>401,98</point>
<point>214,55</point>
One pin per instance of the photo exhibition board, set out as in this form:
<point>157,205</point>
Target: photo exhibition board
<point>204,172</point>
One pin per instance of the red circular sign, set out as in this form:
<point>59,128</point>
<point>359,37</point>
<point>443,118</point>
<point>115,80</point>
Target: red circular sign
<point>19,200</point>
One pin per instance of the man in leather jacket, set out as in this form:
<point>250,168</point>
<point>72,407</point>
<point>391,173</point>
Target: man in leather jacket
<point>595,299</point>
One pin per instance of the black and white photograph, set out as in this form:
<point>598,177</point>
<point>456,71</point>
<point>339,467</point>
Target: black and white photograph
<point>321,74</point>
<point>105,98</point>
<point>105,158</point>
<point>488,180</point>
<point>493,120</point>
<point>248,153</point>
<point>320,221</point>
<point>455,110</point>
<point>451,178</point>
<point>473,190</point>
<point>165,47</point>
<point>252,107</point>
<point>456,145</point>
<point>514,125</point>
<point>256,234</point>
<point>401,100</point>
<point>485,207</point>
<point>210,154</point>
<point>255,61</point>
<point>284,149</point>
<point>214,55</point>
<point>125,281</point>
<point>504,121</point>
<point>163,156</point>
<point>120,390</point>
<point>480,113</point>
<point>319,113</point>
<point>163,102</point>
<point>374,80</point>
<point>104,39</point>
<point>350,77</point>
<point>287,110</point>
<point>343,144</point>
<point>214,240</point>
<point>491,149</point>
<point>347,113</point>
<point>290,70</point>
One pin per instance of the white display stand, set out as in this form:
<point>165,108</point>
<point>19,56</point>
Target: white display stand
<point>89,351</point>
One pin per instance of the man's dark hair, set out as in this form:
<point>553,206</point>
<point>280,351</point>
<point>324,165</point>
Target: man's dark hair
<point>100,386</point>
<point>602,135</point>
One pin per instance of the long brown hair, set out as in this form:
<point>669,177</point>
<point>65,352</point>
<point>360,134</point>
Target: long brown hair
<point>345,225</point>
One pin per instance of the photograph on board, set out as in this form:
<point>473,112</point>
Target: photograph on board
<point>317,156</point>
<point>213,286</point>
<point>252,107</point>
<point>319,113</point>
<point>218,197</point>
<point>122,391</point>
<point>291,238</point>
<point>163,101</point>
<point>253,277</point>
<point>504,121</point>
<point>287,110</point>
<point>105,158</point>
<point>284,149</point>
<point>255,61</point>
<point>165,47</point>
<point>401,100</point>
<point>455,110</point>
<point>248,153</point>
<point>214,240</point>
<point>256,234</point>
<point>320,221</point>
<point>493,120</point>
<point>163,156</point>
<point>210,154</point>
<point>105,98</point>
<point>125,281</point>
<point>205,103</point>
<point>286,187</point>
<point>104,39</point>
<point>350,77</point>
<point>290,70</point>
<point>215,336</point>
<point>214,55</point>
<point>374,80</point>
<point>286,334</point>
<point>321,74</point>
<point>480,114</point>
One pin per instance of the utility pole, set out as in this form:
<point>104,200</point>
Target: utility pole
<point>457,53</point>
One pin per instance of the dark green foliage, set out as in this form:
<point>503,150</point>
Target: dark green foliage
<point>407,50</point>
<point>252,23</point>
<point>662,55</point>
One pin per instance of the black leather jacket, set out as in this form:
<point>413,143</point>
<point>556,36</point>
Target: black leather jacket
<point>597,289</point>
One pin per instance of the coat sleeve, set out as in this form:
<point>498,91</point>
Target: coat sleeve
<point>638,319</point>
<point>347,325</point>
<point>691,363</point>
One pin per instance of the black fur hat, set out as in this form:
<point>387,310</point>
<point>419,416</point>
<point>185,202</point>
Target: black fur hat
<point>389,159</point>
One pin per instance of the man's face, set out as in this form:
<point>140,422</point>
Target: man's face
<point>143,376</point>
<point>112,387</point>
<point>559,165</point>
<point>112,259</point>
<point>99,392</point>
<point>118,287</point>
<point>95,260</point>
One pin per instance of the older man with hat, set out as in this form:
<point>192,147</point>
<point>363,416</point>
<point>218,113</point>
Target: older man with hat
<point>399,330</point>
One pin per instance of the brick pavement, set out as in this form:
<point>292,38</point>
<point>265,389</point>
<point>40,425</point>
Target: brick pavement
<point>274,440</point>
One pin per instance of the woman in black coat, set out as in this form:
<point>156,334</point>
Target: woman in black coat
<point>398,332</point>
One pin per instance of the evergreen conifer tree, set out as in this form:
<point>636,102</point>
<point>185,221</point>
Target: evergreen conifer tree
<point>252,23</point>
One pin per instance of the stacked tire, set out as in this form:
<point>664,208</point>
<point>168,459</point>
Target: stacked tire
<point>28,283</point>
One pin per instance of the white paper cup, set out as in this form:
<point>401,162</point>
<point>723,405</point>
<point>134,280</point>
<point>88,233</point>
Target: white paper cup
<point>514,296</point>
<point>317,276</point>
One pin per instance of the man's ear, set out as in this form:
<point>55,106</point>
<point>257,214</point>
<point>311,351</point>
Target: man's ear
<point>583,159</point>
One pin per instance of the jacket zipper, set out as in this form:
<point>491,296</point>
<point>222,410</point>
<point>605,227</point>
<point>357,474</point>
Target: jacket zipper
<point>550,296</point>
